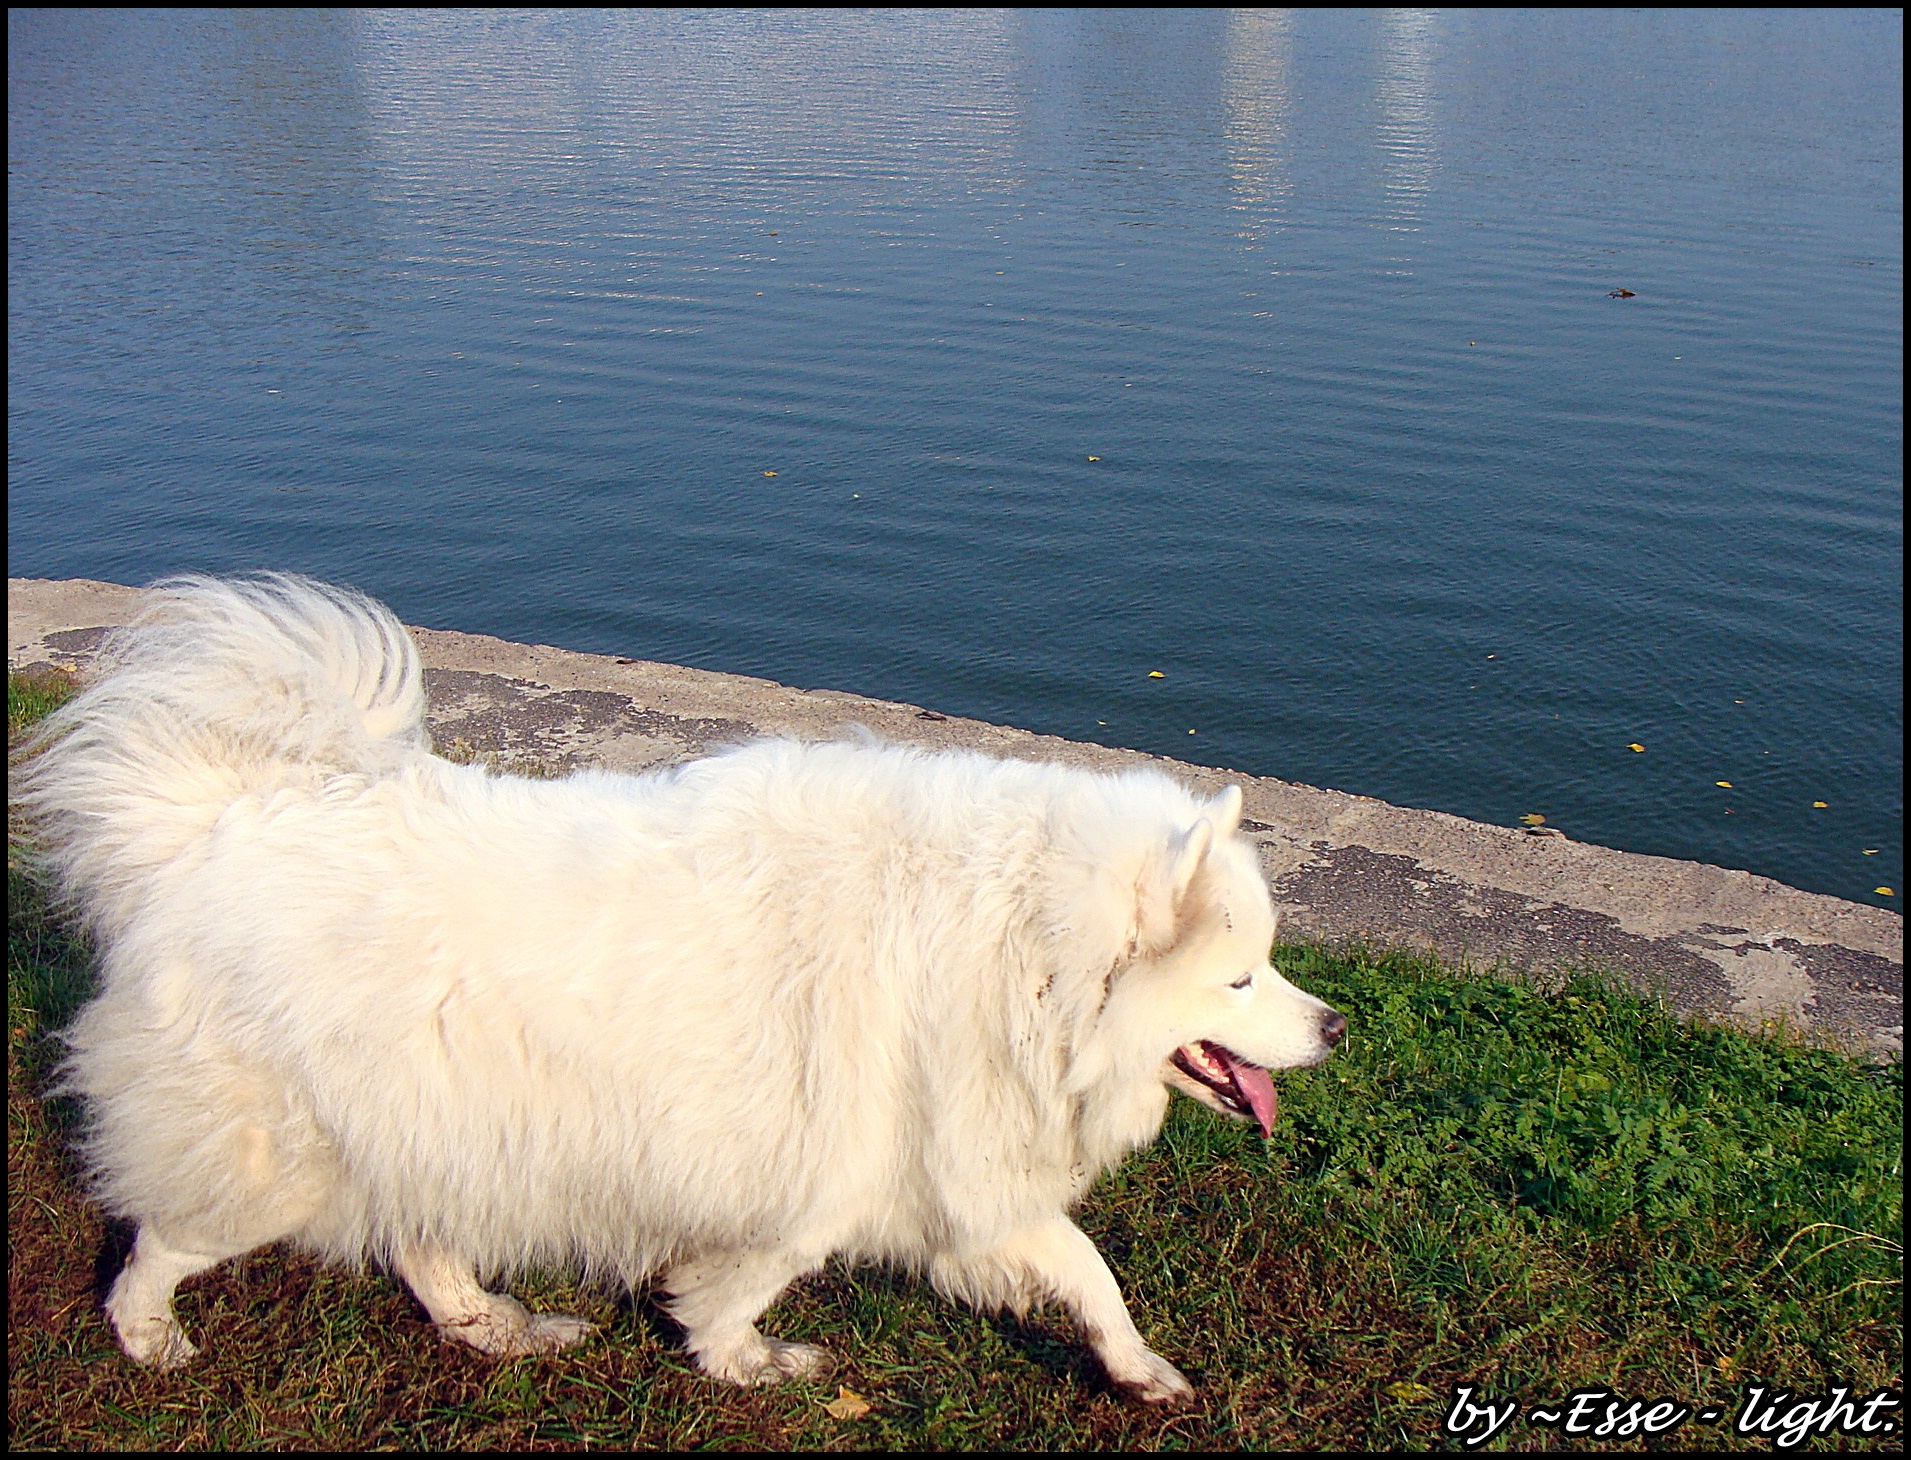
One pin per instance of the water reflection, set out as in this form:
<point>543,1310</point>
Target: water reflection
<point>1255,88</point>
<point>758,103</point>
<point>1404,95</point>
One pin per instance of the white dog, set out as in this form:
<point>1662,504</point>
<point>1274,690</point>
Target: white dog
<point>714,1023</point>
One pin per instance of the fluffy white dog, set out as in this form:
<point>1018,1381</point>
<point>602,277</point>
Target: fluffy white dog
<point>714,1023</point>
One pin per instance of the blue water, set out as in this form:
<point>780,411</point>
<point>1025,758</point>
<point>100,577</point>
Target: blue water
<point>994,361</point>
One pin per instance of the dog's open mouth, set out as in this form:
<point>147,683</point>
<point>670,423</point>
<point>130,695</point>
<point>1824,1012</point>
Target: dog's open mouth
<point>1240,1085</point>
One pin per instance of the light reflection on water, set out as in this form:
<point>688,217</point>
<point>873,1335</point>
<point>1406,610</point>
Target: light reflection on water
<point>505,317</point>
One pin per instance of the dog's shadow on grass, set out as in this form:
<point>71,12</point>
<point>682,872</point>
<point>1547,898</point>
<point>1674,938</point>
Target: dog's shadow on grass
<point>830,1299</point>
<point>1059,1351</point>
<point>115,1248</point>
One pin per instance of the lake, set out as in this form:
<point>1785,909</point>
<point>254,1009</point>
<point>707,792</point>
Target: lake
<point>1443,405</point>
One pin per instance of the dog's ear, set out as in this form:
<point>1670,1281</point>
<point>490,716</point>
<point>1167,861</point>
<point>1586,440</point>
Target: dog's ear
<point>1190,852</point>
<point>1225,812</point>
<point>1164,884</point>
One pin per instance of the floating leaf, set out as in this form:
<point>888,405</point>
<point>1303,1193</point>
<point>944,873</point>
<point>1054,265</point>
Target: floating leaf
<point>1533,818</point>
<point>1821,805</point>
<point>1884,892</point>
<point>847,1404</point>
<point>1726,784</point>
<point>1635,746</point>
<point>769,473</point>
<point>1871,851</point>
<point>1094,458</point>
<point>1156,674</point>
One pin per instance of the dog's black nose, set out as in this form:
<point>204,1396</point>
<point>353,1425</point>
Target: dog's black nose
<point>1332,1027</point>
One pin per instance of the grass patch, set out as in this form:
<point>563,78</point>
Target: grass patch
<point>1491,1185</point>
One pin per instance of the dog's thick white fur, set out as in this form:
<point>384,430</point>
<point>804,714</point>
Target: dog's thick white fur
<point>714,1023</point>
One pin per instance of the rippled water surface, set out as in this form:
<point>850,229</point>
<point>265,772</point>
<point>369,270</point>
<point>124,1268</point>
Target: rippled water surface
<point>992,362</point>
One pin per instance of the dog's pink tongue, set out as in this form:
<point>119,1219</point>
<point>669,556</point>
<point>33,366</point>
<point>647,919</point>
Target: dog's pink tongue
<point>1255,1083</point>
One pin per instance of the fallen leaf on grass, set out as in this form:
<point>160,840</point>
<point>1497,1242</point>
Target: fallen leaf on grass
<point>1414,1392</point>
<point>847,1404</point>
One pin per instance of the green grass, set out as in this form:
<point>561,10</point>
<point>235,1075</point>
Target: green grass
<point>1525,1191</point>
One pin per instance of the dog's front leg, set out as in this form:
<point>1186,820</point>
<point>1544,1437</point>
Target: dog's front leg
<point>1056,1260</point>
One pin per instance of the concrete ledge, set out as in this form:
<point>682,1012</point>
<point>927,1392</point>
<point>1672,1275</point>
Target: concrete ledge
<point>1711,940</point>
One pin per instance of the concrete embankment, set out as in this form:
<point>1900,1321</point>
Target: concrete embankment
<point>1711,940</point>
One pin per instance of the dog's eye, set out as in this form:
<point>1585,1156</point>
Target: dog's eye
<point>1244,981</point>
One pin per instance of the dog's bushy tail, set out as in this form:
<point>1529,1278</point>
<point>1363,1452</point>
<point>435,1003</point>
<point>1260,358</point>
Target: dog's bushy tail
<point>218,689</point>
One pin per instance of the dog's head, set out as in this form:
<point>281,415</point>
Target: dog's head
<point>1203,980</point>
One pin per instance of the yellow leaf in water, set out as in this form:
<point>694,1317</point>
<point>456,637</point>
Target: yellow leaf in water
<point>1635,746</point>
<point>769,473</point>
<point>1156,674</point>
<point>1726,784</point>
<point>1094,458</point>
<point>1821,805</point>
<point>1533,818</point>
<point>847,1404</point>
<point>1884,892</point>
<point>1871,851</point>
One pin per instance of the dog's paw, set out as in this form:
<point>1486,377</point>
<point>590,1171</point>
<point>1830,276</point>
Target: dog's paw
<point>795,1361</point>
<point>1150,1379</point>
<point>506,1329</point>
<point>549,1332</point>
<point>760,1360</point>
<point>158,1344</point>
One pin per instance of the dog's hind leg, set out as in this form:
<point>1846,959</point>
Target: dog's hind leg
<point>1056,1260</point>
<point>718,1299</point>
<point>141,1301</point>
<point>489,1322</point>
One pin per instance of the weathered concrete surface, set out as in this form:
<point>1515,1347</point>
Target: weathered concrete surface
<point>1348,867</point>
